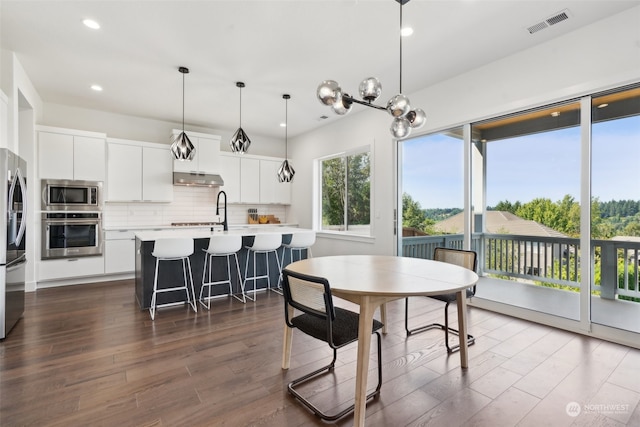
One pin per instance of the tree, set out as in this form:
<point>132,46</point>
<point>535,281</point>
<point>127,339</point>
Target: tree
<point>333,191</point>
<point>346,190</point>
<point>413,216</point>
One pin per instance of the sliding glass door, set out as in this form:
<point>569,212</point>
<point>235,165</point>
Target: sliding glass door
<point>615,229</point>
<point>554,203</point>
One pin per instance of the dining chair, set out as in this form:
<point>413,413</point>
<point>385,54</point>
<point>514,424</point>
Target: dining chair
<point>320,319</point>
<point>466,259</point>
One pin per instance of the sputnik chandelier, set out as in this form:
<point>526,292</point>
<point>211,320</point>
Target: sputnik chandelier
<point>404,118</point>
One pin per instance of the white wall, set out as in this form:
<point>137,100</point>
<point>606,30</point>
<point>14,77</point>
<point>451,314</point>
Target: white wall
<point>143,129</point>
<point>603,55</point>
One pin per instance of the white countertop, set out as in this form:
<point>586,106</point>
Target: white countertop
<point>154,234</point>
<point>172,227</point>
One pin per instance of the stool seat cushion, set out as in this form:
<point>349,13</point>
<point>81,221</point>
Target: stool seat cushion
<point>172,247</point>
<point>266,242</point>
<point>302,239</point>
<point>224,243</point>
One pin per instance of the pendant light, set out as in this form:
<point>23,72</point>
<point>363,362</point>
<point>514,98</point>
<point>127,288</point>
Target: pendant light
<point>404,118</point>
<point>286,172</point>
<point>182,148</point>
<point>240,141</point>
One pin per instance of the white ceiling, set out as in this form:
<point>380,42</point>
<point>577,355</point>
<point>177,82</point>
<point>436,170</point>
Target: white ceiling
<point>275,47</point>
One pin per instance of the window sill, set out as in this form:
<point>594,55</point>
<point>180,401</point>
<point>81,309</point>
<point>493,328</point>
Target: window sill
<point>346,236</point>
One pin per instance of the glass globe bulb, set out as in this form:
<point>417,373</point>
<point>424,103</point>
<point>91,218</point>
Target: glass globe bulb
<point>417,118</point>
<point>400,128</point>
<point>329,92</point>
<point>370,89</point>
<point>398,106</point>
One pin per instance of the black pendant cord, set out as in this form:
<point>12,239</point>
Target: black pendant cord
<point>240,106</point>
<point>286,130</point>
<point>182,102</point>
<point>400,47</point>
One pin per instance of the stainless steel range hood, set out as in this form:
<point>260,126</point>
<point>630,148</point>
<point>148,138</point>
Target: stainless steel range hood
<point>197,179</point>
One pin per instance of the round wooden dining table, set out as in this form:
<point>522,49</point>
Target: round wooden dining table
<point>370,281</point>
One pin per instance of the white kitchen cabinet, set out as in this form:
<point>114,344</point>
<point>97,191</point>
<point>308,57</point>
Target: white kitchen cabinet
<point>138,171</point>
<point>119,251</point>
<point>207,156</point>
<point>253,179</point>
<point>249,180</point>
<point>271,189</point>
<point>69,268</point>
<point>230,173</point>
<point>157,174</point>
<point>124,172</point>
<point>69,154</point>
<point>4,120</point>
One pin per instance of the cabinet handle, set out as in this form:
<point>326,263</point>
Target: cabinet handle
<point>72,259</point>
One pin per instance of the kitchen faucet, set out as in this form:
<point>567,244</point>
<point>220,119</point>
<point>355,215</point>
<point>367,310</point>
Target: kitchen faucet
<point>224,222</point>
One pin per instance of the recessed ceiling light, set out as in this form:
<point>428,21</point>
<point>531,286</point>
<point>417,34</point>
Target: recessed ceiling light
<point>603,105</point>
<point>91,24</point>
<point>283,125</point>
<point>97,88</point>
<point>406,31</point>
<point>555,114</point>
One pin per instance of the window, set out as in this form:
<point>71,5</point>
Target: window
<point>345,192</point>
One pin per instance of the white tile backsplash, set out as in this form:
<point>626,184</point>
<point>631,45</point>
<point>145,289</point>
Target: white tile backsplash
<point>190,204</point>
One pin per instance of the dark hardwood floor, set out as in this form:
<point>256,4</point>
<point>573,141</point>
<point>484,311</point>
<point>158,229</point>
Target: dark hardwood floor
<point>86,355</point>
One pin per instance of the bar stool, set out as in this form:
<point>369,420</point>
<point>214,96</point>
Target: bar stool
<point>223,245</point>
<point>300,240</point>
<point>173,249</point>
<point>263,244</point>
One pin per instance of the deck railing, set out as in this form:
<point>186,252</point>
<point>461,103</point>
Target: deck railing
<point>545,260</point>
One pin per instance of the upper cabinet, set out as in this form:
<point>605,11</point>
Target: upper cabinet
<point>271,189</point>
<point>71,154</point>
<point>139,172</point>
<point>4,120</point>
<point>230,173</point>
<point>207,157</point>
<point>253,179</point>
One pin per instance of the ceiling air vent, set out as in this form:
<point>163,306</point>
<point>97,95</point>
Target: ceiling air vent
<point>552,20</point>
<point>535,28</point>
<point>559,17</point>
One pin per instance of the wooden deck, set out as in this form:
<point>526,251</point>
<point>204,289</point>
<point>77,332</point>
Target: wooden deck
<point>86,355</point>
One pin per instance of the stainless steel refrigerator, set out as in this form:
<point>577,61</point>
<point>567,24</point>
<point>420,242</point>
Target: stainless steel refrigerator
<point>13,224</point>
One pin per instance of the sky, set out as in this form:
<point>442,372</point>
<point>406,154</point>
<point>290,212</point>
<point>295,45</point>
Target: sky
<point>521,169</point>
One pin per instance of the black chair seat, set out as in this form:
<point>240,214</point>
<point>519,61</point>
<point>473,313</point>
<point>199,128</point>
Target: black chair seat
<point>320,319</point>
<point>345,326</point>
<point>450,297</point>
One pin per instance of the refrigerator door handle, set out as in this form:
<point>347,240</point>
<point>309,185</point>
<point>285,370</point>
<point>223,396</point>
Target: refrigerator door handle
<point>17,179</point>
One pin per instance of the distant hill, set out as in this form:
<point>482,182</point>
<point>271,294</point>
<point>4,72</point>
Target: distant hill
<point>441,214</point>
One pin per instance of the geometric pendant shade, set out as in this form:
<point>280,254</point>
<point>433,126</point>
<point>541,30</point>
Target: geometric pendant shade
<point>182,148</point>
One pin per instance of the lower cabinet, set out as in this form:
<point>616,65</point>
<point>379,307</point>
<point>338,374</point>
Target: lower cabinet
<point>119,251</point>
<point>69,268</point>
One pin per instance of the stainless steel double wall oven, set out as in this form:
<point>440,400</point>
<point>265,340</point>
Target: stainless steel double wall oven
<point>71,218</point>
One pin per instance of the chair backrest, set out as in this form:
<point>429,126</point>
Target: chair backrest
<point>266,242</point>
<point>224,243</point>
<point>309,294</point>
<point>302,239</point>
<point>466,259</point>
<point>171,247</point>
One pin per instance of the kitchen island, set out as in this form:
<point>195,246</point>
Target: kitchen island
<point>172,272</point>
